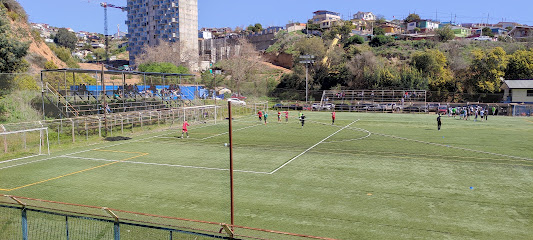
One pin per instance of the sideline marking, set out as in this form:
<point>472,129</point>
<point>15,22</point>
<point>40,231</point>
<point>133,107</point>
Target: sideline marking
<point>72,173</point>
<point>116,144</point>
<point>168,165</point>
<point>307,150</point>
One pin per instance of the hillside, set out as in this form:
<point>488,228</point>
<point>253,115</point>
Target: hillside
<point>38,53</point>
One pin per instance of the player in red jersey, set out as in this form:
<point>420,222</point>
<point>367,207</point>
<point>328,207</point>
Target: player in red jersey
<point>184,129</point>
<point>286,116</point>
<point>260,114</point>
<point>333,117</point>
<point>279,116</point>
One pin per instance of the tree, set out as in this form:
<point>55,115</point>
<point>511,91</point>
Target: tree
<point>12,53</point>
<point>162,67</point>
<point>255,28</point>
<point>243,66</point>
<point>432,64</point>
<point>413,17</point>
<point>379,31</point>
<point>66,39</point>
<point>380,40</point>
<point>170,52</point>
<point>355,39</point>
<point>444,34</point>
<point>486,31</point>
<point>520,65</point>
<point>487,69</point>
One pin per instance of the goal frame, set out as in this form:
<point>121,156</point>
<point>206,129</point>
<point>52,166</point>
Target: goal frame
<point>42,131</point>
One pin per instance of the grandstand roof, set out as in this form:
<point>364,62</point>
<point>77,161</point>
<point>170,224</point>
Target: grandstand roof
<point>113,72</point>
<point>518,84</point>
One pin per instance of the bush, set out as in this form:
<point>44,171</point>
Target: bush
<point>26,82</point>
<point>380,40</point>
<point>355,39</point>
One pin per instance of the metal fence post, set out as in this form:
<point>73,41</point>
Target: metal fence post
<point>24,224</point>
<point>116,227</point>
<point>73,137</point>
<point>66,227</point>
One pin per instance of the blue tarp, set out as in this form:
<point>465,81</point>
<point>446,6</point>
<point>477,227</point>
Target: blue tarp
<point>187,92</point>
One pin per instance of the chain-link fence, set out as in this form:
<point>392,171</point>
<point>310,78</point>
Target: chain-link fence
<point>28,218</point>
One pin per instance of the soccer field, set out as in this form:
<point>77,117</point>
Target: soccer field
<point>368,176</point>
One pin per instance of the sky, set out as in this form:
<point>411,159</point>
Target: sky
<point>87,15</point>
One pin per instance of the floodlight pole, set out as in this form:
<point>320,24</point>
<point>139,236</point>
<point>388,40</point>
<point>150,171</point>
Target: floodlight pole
<point>104,96</point>
<point>231,163</point>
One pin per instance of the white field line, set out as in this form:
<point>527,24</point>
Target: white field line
<point>307,150</point>
<point>116,144</point>
<point>224,133</point>
<point>164,164</point>
<point>460,148</point>
<point>16,159</point>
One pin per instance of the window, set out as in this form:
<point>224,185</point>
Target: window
<point>530,93</point>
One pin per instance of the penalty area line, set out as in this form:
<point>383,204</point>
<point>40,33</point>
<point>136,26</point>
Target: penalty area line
<point>307,150</point>
<point>166,165</point>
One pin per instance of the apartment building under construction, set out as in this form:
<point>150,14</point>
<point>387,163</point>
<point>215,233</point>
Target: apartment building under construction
<point>152,21</point>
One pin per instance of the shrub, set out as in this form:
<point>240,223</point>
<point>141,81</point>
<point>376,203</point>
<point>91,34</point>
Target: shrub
<point>380,40</point>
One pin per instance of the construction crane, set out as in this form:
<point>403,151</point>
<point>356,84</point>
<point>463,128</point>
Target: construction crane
<point>105,6</point>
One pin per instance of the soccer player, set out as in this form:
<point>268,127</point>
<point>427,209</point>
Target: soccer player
<point>184,129</point>
<point>260,114</point>
<point>438,122</point>
<point>279,116</point>
<point>265,115</point>
<point>286,116</point>
<point>302,119</point>
<point>333,117</point>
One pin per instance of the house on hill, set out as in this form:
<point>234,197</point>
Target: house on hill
<point>521,32</point>
<point>326,19</point>
<point>368,16</point>
<point>518,91</point>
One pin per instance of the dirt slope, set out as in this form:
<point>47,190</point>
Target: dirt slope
<point>38,49</point>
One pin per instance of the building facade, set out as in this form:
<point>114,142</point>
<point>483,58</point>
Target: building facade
<point>518,91</point>
<point>369,16</point>
<point>152,21</point>
<point>325,19</point>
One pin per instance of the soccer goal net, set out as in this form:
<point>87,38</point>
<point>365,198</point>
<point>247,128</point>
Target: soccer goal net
<point>24,140</point>
<point>260,106</point>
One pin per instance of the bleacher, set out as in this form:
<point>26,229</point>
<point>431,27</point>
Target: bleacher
<point>356,97</point>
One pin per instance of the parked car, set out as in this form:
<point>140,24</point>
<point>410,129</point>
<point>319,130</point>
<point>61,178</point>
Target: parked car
<point>413,109</point>
<point>316,107</point>
<point>388,106</point>
<point>277,106</point>
<point>328,106</point>
<point>443,109</point>
<point>342,107</point>
<point>483,38</point>
<point>237,101</point>
<point>432,107</point>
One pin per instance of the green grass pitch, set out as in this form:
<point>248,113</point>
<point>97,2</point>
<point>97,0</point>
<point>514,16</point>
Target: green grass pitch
<point>369,176</point>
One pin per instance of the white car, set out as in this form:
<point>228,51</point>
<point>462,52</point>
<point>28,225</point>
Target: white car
<point>237,101</point>
<point>483,38</point>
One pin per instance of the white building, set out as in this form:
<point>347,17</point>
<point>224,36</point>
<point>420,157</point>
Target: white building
<point>152,21</point>
<point>518,91</point>
<point>369,16</point>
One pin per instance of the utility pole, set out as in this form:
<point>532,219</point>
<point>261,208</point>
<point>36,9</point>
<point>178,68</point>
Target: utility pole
<point>307,59</point>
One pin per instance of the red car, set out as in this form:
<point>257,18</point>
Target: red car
<point>442,109</point>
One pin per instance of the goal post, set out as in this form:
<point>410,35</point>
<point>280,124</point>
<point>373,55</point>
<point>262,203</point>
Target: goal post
<point>260,106</point>
<point>32,141</point>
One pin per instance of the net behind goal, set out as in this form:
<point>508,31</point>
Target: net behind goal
<point>25,140</point>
